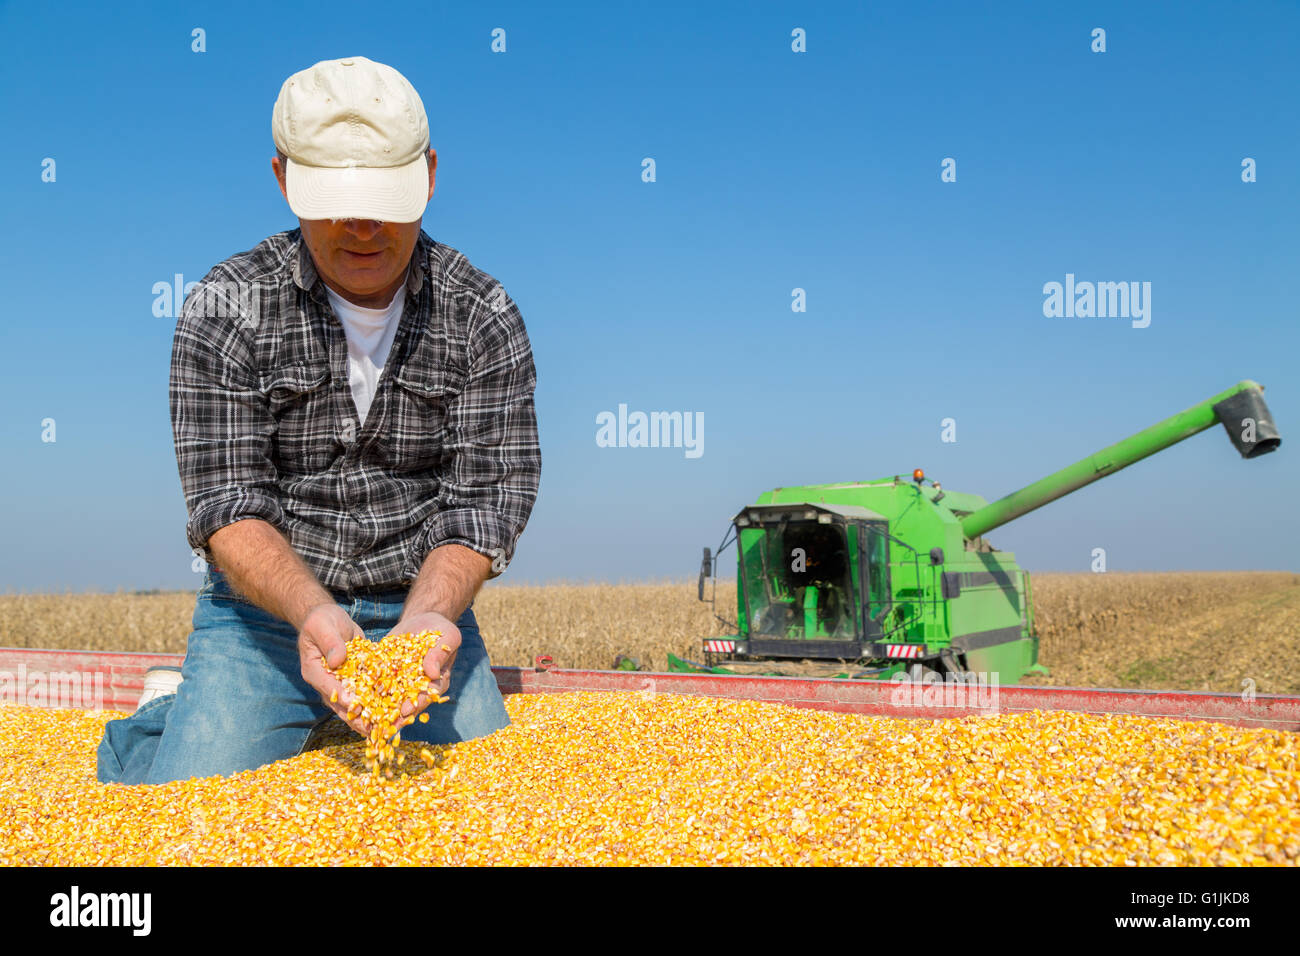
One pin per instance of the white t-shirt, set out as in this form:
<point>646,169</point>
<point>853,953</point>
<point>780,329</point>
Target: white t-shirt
<point>370,335</point>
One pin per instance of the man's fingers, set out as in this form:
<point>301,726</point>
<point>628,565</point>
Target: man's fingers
<point>438,663</point>
<point>316,673</point>
<point>356,723</point>
<point>323,649</point>
<point>411,711</point>
<point>337,698</point>
<point>361,727</point>
<point>333,648</point>
<point>444,683</point>
<point>441,680</point>
<point>327,630</point>
<point>335,690</point>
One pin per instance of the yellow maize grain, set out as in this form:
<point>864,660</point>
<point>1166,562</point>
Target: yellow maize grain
<point>383,676</point>
<point>627,778</point>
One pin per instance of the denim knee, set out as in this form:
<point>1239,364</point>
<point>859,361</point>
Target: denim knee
<point>127,749</point>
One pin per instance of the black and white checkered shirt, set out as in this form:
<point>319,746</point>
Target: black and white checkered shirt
<point>265,425</point>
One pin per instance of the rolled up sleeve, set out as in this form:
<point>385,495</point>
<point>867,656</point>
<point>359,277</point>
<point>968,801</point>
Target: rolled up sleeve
<point>222,426</point>
<point>487,491</point>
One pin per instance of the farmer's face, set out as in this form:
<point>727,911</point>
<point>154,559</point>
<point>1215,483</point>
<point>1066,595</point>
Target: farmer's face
<point>363,260</point>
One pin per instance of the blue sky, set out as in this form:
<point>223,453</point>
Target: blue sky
<point>775,170</point>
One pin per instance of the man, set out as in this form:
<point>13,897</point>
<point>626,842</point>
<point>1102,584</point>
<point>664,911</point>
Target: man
<point>352,408</point>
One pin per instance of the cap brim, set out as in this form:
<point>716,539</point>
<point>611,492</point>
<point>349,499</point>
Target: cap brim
<point>389,194</point>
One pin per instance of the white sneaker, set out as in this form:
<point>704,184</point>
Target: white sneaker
<point>159,682</point>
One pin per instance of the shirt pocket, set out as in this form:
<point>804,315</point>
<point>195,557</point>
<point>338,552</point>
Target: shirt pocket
<point>420,428</point>
<point>300,401</point>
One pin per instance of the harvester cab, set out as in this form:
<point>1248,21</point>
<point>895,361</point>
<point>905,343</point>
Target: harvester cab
<point>866,579</point>
<point>799,566</point>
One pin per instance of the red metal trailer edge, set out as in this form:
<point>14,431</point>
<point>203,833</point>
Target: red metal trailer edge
<point>113,681</point>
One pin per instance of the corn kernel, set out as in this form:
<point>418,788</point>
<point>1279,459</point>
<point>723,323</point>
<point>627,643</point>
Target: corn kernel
<point>630,779</point>
<point>383,676</point>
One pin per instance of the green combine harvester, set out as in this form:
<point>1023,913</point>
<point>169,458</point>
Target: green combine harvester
<point>870,579</point>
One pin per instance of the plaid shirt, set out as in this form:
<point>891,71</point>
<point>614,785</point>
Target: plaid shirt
<point>265,425</point>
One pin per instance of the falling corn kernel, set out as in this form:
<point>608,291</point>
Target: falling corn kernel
<point>424,718</point>
<point>623,778</point>
<point>383,676</point>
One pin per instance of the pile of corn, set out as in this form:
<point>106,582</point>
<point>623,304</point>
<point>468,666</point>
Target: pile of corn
<point>382,676</point>
<point>631,778</point>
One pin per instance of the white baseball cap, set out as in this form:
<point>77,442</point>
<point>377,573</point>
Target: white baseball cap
<point>357,138</point>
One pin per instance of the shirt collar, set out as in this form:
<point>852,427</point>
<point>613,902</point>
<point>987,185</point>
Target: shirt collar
<point>306,276</point>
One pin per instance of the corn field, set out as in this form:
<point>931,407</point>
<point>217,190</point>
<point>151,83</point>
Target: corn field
<point>1191,631</point>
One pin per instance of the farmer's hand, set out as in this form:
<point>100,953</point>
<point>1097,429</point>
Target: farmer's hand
<point>438,662</point>
<point>324,635</point>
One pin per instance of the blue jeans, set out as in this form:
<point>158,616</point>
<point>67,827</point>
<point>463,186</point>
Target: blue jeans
<point>242,702</point>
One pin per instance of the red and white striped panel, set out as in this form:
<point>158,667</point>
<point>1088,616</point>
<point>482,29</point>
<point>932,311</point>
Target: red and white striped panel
<point>904,650</point>
<point>720,647</point>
